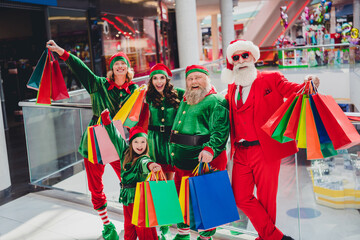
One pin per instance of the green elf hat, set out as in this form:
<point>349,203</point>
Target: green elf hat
<point>120,56</point>
<point>137,131</point>
<point>160,69</point>
<point>196,68</point>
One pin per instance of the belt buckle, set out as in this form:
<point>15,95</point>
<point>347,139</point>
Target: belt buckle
<point>162,128</point>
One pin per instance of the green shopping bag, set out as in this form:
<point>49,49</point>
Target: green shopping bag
<point>278,134</point>
<point>166,202</point>
<point>36,76</point>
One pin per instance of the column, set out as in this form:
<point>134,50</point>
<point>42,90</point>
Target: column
<point>5,181</point>
<point>227,24</point>
<point>356,15</point>
<point>201,52</point>
<point>215,37</point>
<point>187,32</point>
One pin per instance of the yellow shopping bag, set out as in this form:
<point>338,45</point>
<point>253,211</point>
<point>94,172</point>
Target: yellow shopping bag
<point>124,111</point>
<point>301,134</point>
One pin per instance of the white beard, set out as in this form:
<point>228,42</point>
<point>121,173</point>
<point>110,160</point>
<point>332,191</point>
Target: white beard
<point>244,77</point>
<point>195,96</point>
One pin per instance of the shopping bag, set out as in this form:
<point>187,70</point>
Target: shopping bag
<point>278,134</point>
<point>151,220</point>
<point>293,124</point>
<point>124,111</point>
<point>97,149</point>
<point>44,93</point>
<point>327,148</point>
<point>206,192</point>
<point>36,76</point>
<point>91,145</point>
<point>136,207</point>
<point>341,131</point>
<point>301,133</point>
<point>313,149</point>
<point>106,147</point>
<point>58,87</point>
<point>166,202</point>
<point>271,124</point>
<point>135,111</point>
<point>184,199</point>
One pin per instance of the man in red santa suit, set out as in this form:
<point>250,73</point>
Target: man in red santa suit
<point>253,97</point>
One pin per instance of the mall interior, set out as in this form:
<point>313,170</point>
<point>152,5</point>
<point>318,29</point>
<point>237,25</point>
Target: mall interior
<point>43,186</point>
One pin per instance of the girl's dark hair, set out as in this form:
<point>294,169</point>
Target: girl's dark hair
<point>131,156</point>
<point>170,94</point>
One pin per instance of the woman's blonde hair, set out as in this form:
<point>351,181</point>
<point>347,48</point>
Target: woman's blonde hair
<point>131,156</point>
<point>129,75</point>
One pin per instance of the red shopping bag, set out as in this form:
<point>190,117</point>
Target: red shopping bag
<point>341,131</point>
<point>151,214</point>
<point>141,219</point>
<point>135,111</point>
<point>44,93</point>
<point>271,124</point>
<point>58,87</point>
<point>313,148</point>
<point>293,123</point>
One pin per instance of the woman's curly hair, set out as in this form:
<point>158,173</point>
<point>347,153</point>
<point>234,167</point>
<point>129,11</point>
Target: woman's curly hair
<point>170,94</point>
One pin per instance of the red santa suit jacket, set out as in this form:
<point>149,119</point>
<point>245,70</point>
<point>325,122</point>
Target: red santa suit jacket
<point>270,90</point>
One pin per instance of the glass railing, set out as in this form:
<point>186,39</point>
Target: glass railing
<point>53,134</point>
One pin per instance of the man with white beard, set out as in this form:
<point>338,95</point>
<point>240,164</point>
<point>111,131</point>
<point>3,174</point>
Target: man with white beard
<point>253,97</point>
<point>200,132</point>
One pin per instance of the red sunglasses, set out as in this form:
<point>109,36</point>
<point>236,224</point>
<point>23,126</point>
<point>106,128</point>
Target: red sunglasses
<point>244,56</point>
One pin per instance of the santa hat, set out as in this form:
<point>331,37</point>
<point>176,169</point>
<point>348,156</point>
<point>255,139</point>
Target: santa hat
<point>160,69</point>
<point>137,131</point>
<point>120,56</point>
<point>237,45</point>
<point>196,68</point>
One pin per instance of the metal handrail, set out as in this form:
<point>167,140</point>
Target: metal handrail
<point>309,46</point>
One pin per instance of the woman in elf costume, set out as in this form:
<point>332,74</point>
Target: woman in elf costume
<point>164,101</point>
<point>136,164</point>
<point>106,93</point>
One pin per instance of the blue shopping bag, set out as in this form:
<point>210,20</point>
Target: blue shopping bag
<point>212,200</point>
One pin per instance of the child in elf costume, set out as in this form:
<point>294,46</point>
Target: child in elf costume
<point>135,164</point>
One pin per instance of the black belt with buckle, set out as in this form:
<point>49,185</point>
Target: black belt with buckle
<point>248,144</point>
<point>132,185</point>
<point>161,128</point>
<point>189,140</point>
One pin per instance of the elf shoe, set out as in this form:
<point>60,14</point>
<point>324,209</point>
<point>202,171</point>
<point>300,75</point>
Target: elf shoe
<point>165,233</point>
<point>109,232</point>
<point>182,237</point>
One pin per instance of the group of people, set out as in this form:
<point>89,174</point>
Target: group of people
<point>188,126</point>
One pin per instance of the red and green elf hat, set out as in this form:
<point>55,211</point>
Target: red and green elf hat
<point>196,68</point>
<point>160,69</point>
<point>137,131</point>
<point>120,56</point>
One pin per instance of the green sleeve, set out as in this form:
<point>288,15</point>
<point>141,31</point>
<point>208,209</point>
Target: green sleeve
<point>144,163</point>
<point>219,128</point>
<point>120,144</point>
<point>180,93</point>
<point>88,79</point>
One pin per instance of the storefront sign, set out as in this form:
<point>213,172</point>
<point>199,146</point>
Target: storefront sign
<point>41,2</point>
<point>164,12</point>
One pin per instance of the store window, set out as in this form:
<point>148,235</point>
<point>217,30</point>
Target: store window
<point>135,37</point>
<point>69,30</point>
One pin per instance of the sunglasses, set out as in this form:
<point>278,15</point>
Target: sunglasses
<point>244,56</point>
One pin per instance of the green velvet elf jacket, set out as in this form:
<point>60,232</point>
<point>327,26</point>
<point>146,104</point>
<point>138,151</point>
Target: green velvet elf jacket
<point>208,117</point>
<point>163,115</point>
<point>101,97</point>
<point>132,174</point>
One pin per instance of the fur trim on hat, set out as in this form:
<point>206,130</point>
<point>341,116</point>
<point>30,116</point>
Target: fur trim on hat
<point>227,76</point>
<point>242,45</point>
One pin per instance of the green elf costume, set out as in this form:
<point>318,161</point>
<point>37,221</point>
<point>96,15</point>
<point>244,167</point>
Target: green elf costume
<point>104,94</point>
<point>160,123</point>
<point>198,127</point>
<point>131,174</point>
